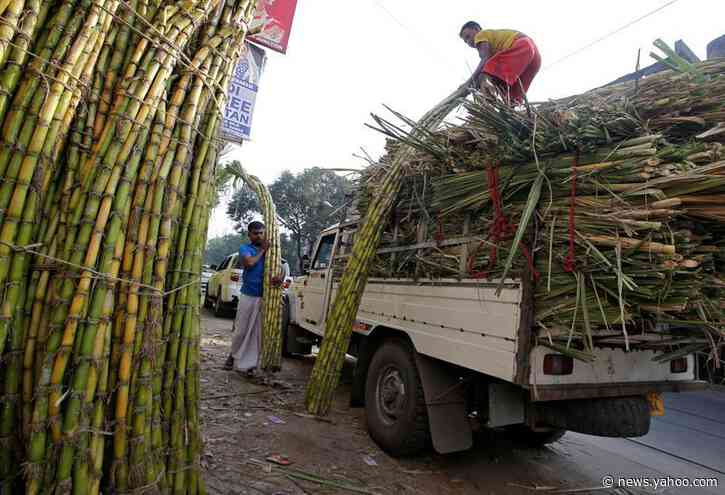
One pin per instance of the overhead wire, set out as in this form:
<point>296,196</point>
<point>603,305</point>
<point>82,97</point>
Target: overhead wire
<point>610,34</point>
<point>414,35</point>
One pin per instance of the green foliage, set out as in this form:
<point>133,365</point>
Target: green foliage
<point>219,248</point>
<point>305,205</point>
<point>289,254</point>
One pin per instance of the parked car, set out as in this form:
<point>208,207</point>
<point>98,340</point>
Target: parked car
<point>206,273</point>
<point>225,285</point>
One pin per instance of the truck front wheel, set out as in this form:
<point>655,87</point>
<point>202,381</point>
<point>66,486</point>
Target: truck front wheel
<point>219,308</point>
<point>395,407</point>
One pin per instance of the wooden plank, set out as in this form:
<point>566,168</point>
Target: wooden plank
<point>463,266</point>
<point>716,48</point>
<point>681,49</point>
<point>424,245</point>
<point>685,52</point>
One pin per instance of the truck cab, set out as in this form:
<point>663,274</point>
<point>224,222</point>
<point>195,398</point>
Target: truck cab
<point>439,359</point>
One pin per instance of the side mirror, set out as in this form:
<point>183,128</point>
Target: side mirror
<point>305,264</point>
<point>213,268</point>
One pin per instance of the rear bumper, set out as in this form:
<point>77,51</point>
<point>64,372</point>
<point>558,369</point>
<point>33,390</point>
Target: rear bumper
<point>230,294</point>
<point>543,393</point>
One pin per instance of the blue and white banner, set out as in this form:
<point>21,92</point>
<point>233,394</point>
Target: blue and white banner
<point>241,95</point>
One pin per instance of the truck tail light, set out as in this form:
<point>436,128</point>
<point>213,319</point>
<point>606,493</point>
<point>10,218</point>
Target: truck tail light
<point>678,365</point>
<point>286,284</point>
<point>235,277</point>
<point>558,364</point>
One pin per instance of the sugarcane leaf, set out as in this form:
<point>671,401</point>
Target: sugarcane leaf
<point>585,311</point>
<point>620,282</point>
<point>531,204</point>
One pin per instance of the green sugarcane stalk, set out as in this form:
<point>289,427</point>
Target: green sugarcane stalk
<point>271,358</point>
<point>24,37</point>
<point>84,237</point>
<point>11,18</point>
<point>10,441</point>
<point>326,372</point>
<point>94,471</point>
<point>74,416</point>
<point>66,102</point>
<point>49,154</point>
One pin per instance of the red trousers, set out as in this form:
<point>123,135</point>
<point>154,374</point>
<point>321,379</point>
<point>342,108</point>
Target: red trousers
<point>516,67</point>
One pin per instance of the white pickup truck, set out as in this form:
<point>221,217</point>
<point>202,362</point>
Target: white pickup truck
<point>439,359</point>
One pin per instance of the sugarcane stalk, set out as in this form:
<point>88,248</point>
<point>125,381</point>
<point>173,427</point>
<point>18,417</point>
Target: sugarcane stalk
<point>271,358</point>
<point>338,328</point>
<point>10,10</point>
<point>107,180</point>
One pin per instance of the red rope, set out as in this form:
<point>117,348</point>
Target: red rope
<point>570,260</point>
<point>500,229</point>
<point>439,235</point>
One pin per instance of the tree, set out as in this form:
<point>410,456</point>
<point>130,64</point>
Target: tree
<point>219,248</point>
<point>243,208</point>
<point>289,253</point>
<point>305,203</point>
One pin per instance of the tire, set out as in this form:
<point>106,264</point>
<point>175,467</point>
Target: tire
<point>219,310</point>
<point>527,436</point>
<point>620,417</point>
<point>395,408</point>
<point>207,301</point>
<point>285,327</point>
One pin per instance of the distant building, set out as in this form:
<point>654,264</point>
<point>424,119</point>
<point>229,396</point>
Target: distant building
<point>716,48</point>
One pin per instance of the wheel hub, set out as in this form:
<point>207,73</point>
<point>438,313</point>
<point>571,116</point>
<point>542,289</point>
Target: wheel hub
<point>392,394</point>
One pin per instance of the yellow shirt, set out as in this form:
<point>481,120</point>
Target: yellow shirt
<point>499,39</point>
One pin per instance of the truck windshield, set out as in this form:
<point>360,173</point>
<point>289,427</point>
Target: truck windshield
<point>324,252</point>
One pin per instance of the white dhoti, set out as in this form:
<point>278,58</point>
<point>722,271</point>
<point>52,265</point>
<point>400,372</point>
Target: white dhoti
<point>247,338</point>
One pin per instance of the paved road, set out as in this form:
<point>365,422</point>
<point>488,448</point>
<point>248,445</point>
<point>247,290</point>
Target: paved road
<point>688,442</point>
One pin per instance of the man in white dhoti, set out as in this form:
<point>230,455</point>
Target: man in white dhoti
<point>246,342</point>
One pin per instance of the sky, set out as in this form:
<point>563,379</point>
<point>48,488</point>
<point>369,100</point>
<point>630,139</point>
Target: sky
<point>346,59</point>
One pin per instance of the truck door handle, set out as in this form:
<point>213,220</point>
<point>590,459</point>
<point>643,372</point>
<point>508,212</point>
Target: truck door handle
<point>322,275</point>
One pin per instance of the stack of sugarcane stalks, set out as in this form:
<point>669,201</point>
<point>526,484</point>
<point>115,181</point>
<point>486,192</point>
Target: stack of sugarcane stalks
<point>613,199</point>
<point>110,112</point>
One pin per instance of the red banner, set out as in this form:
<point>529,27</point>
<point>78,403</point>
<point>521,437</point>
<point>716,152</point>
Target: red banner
<point>275,17</point>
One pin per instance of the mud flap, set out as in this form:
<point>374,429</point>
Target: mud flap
<point>298,341</point>
<point>445,400</point>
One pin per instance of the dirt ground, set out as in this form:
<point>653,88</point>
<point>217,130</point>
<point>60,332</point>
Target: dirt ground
<point>244,423</point>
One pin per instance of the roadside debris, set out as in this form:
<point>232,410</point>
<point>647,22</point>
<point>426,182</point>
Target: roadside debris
<point>276,420</point>
<point>279,459</point>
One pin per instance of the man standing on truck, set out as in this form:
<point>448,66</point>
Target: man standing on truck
<point>509,60</point>
<point>246,342</point>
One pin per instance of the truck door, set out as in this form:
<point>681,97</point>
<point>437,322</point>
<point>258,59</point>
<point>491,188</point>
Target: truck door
<point>313,304</point>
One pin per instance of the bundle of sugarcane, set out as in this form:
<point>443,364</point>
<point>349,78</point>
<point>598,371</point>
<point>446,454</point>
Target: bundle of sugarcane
<point>338,328</point>
<point>622,225</point>
<point>107,164</point>
<point>271,359</point>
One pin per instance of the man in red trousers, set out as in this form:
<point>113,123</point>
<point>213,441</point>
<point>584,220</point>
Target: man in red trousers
<point>509,59</point>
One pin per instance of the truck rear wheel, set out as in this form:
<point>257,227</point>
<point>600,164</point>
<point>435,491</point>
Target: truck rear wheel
<point>395,407</point>
<point>605,417</point>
